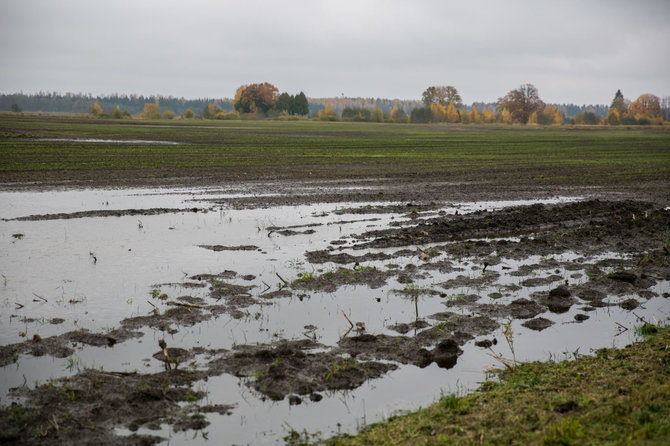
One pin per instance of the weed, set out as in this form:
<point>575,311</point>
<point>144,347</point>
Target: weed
<point>442,326</point>
<point>72,362</point>
<point>454,403</point>
<point>306,277</point>
<point>509,337</point>
<point>68,392</point>
<point>191,398</point>
<point>156,294</point>
<point>338,367</point>
<point>647,329</point>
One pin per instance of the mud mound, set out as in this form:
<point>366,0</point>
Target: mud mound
<point>511,221</point>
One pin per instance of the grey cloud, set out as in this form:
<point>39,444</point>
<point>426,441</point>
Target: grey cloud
<point>573,51</point>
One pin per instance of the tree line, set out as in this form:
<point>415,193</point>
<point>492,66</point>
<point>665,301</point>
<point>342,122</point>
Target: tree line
<point>50,102</point>
<point>438,104</point>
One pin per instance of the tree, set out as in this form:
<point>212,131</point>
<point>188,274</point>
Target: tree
<point>95,109</point>
<point>377,115</point>
<point>421,115</point>
<point>438,112</point>
<point>168,114</point>
<point>452,114</point>
<point>398,114</point>
<point>521,103</point>
<point>547,116</point>
<point>618,103</point>
<point>16,108</point>
<point>151,111</point>
<point>586,118</point>
<point>210,111</point>
<point>558,117</point>
<point>188,113</point>
<point>299,105</point>
<point>356,113</point>
<point>488,116</point>
<point>475,115</point>
<point>646,106</point>
<point>442,96</point>
<point>532,119</point>
<point>328,114</point>
<point>284,102</point>
<point>613,116</point>
<point>250,98</point>
<point>506,116</point>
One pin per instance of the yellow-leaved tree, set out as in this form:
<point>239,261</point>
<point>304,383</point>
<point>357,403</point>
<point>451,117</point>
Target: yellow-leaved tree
<point>438,112</point>
<point>328,114</point>
<point>95,109</point>
<point>646,106</point>
<point>151,111</point>
<point>452,114</point>
<point>475,115</point>
<point>558,117</point>
<point>398,114</point>
<point>506,116</point>
<point>488,116</point>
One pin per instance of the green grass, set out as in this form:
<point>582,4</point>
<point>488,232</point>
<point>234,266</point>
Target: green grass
<point>307,149</point>
<point>615,397</point>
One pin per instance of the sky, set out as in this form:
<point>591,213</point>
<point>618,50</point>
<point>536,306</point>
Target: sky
<point>577,52</point>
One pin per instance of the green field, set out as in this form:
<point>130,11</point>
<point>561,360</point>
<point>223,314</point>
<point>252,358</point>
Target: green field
<point>234,150</point>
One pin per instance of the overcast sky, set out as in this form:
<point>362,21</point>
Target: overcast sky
<point>572,51</point>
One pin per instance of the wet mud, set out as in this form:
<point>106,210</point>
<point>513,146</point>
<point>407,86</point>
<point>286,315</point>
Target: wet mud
<point>87,407</point>
<point>105,213</point>
<point>477,248</point>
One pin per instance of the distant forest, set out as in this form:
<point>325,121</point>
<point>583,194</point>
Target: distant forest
<point>134,104</point>
<point>79,103</point>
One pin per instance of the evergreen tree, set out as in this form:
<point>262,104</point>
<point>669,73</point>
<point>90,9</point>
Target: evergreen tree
<point>285,102</point>
<point>299,105</point>
<point>618,103</point>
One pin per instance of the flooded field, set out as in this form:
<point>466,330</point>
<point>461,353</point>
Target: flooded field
<point>318,318</point>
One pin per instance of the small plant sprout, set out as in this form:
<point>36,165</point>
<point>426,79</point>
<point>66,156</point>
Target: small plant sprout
<point>509,337</point>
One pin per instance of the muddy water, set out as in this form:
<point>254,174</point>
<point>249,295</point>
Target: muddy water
<point>92,272</point>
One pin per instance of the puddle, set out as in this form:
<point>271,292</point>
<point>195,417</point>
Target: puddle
<point>111,141</point>
<point>94,271</point>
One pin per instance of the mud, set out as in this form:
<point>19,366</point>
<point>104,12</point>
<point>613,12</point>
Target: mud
<point>87,407</point>
<point>64,345</point>
<point>569,225</point>
<point>332,280</point>
<point>478,250</point>
<point>104,213</point>
<point>218,248</point>
<point>290,368</point>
